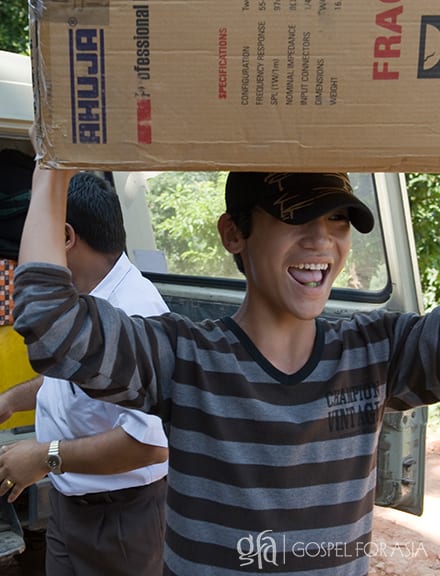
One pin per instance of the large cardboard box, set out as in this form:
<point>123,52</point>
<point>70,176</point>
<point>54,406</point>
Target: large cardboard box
<point>243,84</point>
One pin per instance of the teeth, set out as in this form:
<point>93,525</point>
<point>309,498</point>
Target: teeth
<point>311,266</point>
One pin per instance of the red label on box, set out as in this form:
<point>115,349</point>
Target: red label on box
<point>143,121</point>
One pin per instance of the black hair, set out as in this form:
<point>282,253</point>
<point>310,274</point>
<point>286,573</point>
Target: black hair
<point>243,221</point>
<point>94,212</point>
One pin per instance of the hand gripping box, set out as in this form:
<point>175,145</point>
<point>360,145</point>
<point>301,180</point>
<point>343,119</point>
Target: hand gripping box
<point>237,84</point>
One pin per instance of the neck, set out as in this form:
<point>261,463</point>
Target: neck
<point>87,275</point>
<point>287,342</point>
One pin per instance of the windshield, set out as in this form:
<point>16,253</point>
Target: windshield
<point>184,208</point>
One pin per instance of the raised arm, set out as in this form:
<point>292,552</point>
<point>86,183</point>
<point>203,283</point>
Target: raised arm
<point>78,337</point>
<point>43,234</point>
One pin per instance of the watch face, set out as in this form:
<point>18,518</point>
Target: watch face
<point>54,462</point>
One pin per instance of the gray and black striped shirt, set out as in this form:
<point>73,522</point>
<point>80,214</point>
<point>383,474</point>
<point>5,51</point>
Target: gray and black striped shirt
<point>269,473</point>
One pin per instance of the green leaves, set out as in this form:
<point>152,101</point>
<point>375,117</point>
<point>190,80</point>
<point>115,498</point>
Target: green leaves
<point>424,197</point>
<point>185,207</point>
<point>14,26</point>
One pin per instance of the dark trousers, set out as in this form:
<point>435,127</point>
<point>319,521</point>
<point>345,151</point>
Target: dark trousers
<point>117,533</point>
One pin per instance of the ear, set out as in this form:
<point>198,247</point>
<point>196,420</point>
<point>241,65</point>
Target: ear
<point>230,234</point>
<point>70,236</point>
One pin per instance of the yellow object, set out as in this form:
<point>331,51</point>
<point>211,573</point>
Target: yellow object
<point>14,369</point>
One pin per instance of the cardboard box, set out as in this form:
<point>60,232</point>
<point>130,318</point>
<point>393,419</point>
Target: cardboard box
<point>243,84</point>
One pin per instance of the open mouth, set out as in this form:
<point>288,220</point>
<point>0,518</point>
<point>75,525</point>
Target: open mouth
<point>309,274</point>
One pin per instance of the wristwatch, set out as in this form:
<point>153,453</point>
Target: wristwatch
<point>54,461</point>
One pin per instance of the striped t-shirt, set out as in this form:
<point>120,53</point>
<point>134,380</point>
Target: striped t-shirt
<point>269,473</point>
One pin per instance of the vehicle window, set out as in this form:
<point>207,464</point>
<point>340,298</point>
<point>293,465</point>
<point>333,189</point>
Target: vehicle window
<point>366,268</point>
<point>185,206</point>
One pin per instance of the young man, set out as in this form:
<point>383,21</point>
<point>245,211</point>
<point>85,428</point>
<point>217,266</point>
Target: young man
<point>259,480</point>
<point>107,464</point>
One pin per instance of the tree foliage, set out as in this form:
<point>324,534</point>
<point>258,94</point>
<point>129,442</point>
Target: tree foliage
<point>424,197</point>
<point>185,208</point>
<point>14,26</point>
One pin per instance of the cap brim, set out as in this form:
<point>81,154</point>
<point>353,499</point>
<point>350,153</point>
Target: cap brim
<point>359,214</point>
<point>362,218</point>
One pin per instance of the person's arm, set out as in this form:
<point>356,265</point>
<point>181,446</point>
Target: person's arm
<point>112,452</point>
<point>78,337</point>
<point>42,239</point>
<point>19,398</point>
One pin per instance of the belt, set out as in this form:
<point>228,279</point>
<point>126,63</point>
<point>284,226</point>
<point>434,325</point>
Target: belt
<point>123,495</point>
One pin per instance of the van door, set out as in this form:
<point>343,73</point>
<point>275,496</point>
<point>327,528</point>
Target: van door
<point>401,454</point>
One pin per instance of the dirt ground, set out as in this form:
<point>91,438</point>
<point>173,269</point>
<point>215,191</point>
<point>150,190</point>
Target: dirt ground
<point>402,544</point>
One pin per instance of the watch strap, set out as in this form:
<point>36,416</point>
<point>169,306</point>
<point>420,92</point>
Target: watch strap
<point>54,461</point>
<point>54,448</point>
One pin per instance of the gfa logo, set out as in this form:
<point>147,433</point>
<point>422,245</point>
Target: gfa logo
<point>429,48</point>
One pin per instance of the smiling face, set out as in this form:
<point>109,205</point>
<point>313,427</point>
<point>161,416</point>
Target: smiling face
<point>290,269</point>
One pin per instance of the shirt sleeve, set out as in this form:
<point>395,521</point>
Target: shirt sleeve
<point>144,428</point>
<point>112,356</point>
<point>414,368</point>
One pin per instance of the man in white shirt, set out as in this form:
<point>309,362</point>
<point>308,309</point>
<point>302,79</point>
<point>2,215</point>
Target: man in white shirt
<point>107,464</point>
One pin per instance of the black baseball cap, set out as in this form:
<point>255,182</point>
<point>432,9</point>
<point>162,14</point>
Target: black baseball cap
<point>296,197</point>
